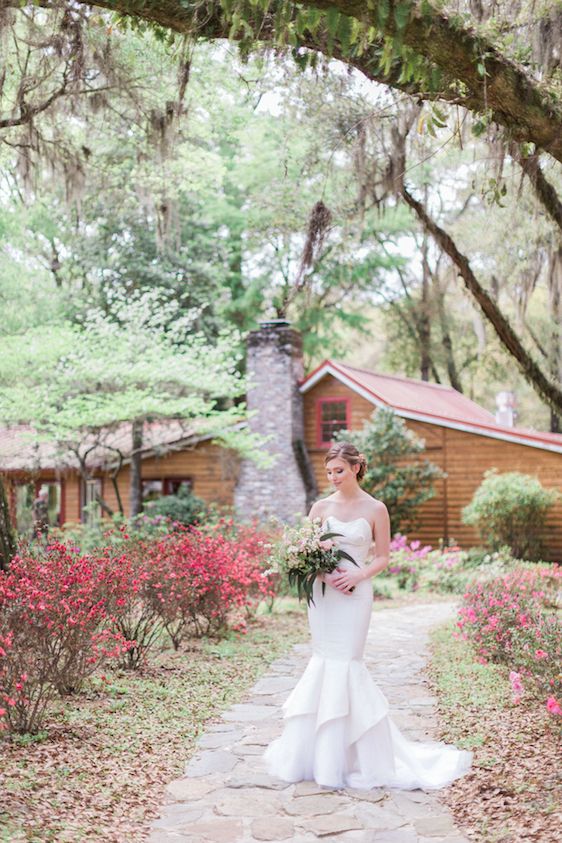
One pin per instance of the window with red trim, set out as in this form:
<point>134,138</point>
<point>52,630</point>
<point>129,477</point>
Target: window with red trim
<point>177,485</point>
<point>332,415</point>
<point>156,488</point>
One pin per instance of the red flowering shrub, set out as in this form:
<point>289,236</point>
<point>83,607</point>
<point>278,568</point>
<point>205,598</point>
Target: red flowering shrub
<point>137,618</point>
<point>510,620</point>
<point>254,547</point>
<point>6,681</point>
<point>203,579</point>
<point>260,581</point>
<point>62,612</point>
<point>56,626</point>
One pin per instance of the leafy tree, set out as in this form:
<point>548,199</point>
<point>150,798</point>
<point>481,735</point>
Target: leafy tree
<point>74,384</point>
<point>396,472</point>
<point>202,208</point>
<point>27,294</point>
<point>214,203</point>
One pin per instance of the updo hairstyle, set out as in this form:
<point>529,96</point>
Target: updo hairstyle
<point>348,452</point>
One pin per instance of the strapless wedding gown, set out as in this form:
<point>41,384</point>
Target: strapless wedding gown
<point>337,728</point>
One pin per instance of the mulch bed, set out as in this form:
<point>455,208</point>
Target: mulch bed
<point>515,794</point>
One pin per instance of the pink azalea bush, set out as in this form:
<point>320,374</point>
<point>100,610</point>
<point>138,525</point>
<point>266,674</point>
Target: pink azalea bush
<point>513,619</point>
<point>406,561</point>
<point>203,583</point>
<point>186,582</point>
<point>56,627</point>
<point>253,546</point>
<point>418,566</point>
<point>448,569</point>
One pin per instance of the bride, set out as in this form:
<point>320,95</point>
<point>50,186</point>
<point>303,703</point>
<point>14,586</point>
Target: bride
<point>337,728</point>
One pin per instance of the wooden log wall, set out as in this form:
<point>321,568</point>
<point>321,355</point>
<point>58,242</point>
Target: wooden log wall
<point>212,470</point>
<point>463,456</point>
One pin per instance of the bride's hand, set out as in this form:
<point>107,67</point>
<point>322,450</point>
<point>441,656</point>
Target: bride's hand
<point>329,578</point>
<point>344,580</point>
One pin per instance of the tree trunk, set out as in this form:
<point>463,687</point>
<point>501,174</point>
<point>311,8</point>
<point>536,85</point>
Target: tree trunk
<point>424,323</point>
<point>412,329</point>
<point>7,533</point>
<point>550,392</point>
<point>555,294</point>
<point>82,458</point>
<point>135,500</point>
<point>446,341</point>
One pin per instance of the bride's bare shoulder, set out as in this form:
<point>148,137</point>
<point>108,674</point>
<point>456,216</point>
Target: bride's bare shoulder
<point>375,506</point>
<point>318,508</point>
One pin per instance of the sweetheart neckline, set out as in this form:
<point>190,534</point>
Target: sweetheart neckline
<point>350,522</point>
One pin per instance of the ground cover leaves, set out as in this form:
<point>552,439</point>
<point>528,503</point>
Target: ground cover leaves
<point>514,791</point>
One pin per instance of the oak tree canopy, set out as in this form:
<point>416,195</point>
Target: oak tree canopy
<point>413,46</point>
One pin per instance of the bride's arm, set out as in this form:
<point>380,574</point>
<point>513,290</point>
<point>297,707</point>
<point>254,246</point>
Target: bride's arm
<point>382,543</point>
<point>381,527</point>
<point>315,510</point>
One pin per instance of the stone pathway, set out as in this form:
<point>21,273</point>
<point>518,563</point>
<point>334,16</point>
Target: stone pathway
<point>227,797</point>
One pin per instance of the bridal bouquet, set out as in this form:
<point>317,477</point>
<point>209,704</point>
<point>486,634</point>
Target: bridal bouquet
<point>305,551</point>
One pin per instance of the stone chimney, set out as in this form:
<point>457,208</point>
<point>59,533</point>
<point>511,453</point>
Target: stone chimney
<point>506,413</point>
<point>275,369</point>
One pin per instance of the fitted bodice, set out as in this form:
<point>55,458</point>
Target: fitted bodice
<point>355,538</point>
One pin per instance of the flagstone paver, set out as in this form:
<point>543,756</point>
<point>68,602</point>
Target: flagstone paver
<point>226,796</point>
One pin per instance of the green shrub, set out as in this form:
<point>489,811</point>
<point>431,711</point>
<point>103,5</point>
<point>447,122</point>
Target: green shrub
<point>184,508</point>
<point>510,509</point>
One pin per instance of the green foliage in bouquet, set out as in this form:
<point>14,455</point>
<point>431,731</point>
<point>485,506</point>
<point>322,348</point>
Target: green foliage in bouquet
<point>305,551</point>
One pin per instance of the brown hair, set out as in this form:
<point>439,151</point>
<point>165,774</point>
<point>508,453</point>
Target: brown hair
<point>348,452</point>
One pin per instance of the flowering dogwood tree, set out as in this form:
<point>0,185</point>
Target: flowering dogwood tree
<point>74,384</point>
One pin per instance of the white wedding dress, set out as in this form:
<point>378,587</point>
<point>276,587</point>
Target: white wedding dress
<point>337,728</point>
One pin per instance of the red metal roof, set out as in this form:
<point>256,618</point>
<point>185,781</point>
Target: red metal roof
<point>430,402</point>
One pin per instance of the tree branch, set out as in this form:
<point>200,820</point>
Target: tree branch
<point>544,191</point>
<point>547,389</point>
<point>494,83</point>
<point>474,73</point>
<point>28,112</point>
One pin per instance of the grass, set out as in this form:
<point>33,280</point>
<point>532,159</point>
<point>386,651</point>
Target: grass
<point>99,768</point>
<point>513,790</point>
<point>464,685</point>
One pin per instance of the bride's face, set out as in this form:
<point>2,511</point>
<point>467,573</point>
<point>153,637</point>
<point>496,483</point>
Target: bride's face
<point>341,474</point>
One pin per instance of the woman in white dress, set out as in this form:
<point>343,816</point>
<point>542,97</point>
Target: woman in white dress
<point>337,728</point>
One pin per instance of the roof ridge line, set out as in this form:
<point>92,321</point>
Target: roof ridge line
<point>431,384</point>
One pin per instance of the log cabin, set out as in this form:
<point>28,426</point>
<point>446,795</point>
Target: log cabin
<point>299,414</point>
